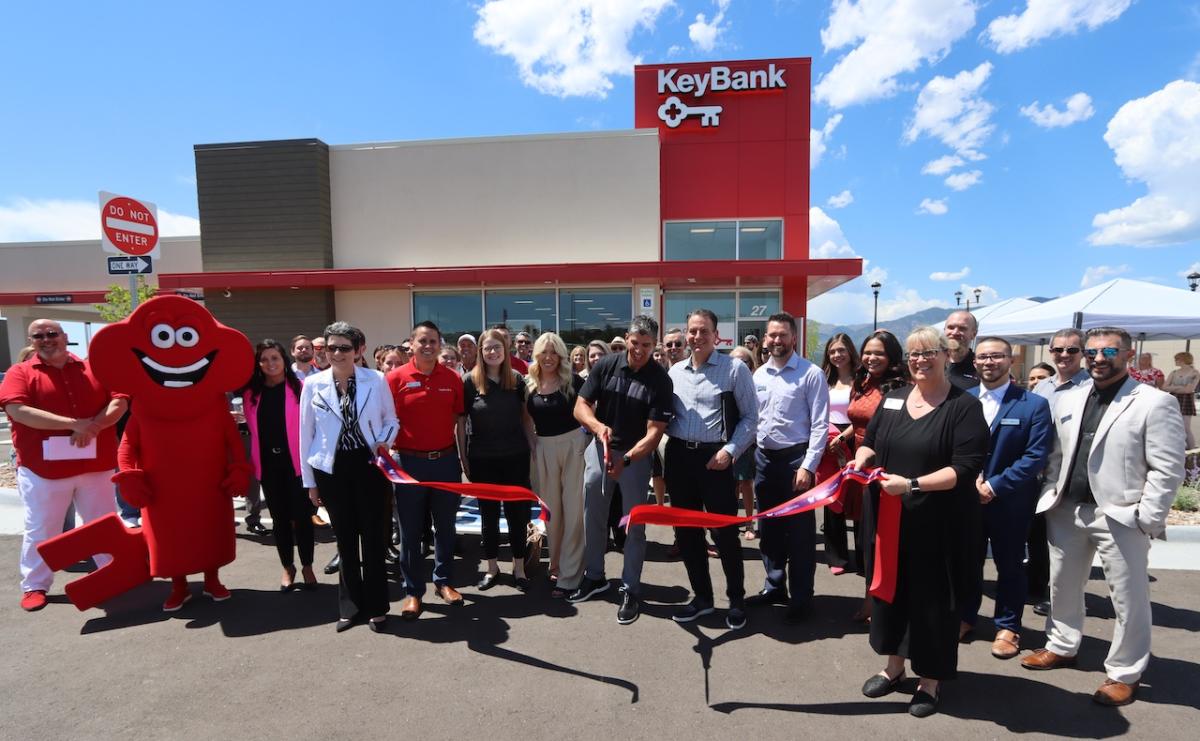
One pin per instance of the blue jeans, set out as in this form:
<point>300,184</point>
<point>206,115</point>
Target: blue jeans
<point>412,502</point>
<point>788,544</point>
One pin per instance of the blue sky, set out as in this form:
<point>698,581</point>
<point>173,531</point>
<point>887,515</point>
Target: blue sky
<point>1027,147</point>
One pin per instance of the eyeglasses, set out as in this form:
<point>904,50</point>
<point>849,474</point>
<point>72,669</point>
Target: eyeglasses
<point>1108,352</point>
<point>44,335</point>
<point>921,355</point>
<point>1067,350</point>
<point>676,344</point>
<point>997,356</point>
<point>334,349</point>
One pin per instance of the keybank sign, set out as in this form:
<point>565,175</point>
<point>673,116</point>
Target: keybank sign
<point>719,79</point>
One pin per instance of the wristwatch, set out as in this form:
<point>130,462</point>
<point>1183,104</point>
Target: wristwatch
<point>626,460</point>
<point>914,487</point>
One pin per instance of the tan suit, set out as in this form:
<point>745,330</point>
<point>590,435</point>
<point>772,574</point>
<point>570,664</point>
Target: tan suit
<point>1134,468</point>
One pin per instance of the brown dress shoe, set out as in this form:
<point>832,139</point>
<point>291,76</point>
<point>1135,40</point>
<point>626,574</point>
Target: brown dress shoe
<point>318,522</point>
<point>1114,693</point>
<point>1006,645</point>
<point>410,608</point>
<point>449,594</point>
<point>1044,658</point>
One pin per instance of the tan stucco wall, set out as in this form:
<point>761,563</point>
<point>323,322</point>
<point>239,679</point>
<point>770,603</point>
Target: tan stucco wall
<point>384,316</point>
<point>572,198</point>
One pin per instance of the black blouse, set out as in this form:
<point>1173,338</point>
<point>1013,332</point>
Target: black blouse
<point>496,425</point>
<point>554,414</point>
<point>272,421</point>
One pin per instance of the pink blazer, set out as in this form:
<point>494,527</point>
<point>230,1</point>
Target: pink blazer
<point>291,410</point>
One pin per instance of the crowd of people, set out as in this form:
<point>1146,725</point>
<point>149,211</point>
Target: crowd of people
<point>1044,472</point>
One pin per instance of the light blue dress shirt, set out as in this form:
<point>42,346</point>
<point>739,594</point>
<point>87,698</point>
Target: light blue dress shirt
<point>793,407</point>
<point>697,402</point>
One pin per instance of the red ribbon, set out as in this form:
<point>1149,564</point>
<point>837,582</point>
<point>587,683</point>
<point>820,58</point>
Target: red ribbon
<point>887,534</point>
<point>495,492</point>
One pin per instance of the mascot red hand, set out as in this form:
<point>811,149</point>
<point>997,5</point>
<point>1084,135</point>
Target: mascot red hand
<point>181,459</point>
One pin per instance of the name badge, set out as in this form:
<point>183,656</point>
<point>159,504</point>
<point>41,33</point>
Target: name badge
<point>1065,419</point>
<point>413,385</point>
<point>1010,421</point>
<point>893,403</point>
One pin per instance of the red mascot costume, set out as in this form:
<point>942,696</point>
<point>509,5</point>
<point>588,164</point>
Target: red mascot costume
<point>181,459</point>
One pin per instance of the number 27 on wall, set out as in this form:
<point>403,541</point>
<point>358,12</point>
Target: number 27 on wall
<point>758,310</point>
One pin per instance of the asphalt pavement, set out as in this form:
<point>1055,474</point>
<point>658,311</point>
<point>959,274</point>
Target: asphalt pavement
<point>508,665</point>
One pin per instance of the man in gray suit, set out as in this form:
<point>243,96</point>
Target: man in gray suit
<point>1110,482</point>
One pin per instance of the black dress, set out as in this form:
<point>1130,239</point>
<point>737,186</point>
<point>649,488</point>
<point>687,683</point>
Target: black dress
<point>937,529</point>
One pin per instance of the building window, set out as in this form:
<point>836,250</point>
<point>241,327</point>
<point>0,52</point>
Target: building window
<point>588,314</point>
<point>723,240</point>
<point>739,313</point>
<point>522,311</point>
<point>454,312</point>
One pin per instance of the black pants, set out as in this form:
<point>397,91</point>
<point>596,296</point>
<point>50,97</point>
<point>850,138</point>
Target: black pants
<point>837,541</point>
<point>290,508</point>
<point>514,471</point>
<point>921,623</point>
<point>1039,560</point>
<point>693,486</point>
<point>359,501</point>
<point>788,544</point>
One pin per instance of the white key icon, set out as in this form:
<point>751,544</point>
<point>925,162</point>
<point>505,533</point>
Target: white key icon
<point>673,111</point>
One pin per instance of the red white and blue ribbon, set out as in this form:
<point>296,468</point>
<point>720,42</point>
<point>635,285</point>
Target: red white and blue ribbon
<point>495,492</point>
<point>887,535</point>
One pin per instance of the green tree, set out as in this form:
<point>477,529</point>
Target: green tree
<point>812,345</point>
<point>116,304</point>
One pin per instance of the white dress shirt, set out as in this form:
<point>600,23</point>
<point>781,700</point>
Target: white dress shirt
<point>990,400</point>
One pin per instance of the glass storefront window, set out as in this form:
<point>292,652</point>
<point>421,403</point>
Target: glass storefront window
<point>522,311</point>
<point>752,310</point>
<point>677,305</point>
<point>701,240</point>
<point>723,240</point>
<point>761,304</point>
<point>455,312</point>
<point>760,240</point>
<point>593,314</point>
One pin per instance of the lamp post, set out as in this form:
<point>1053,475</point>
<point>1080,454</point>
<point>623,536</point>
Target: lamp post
<point>958,299</point>
<point>977,292</point>
<point>875,320</point>
<point>1193,280</point>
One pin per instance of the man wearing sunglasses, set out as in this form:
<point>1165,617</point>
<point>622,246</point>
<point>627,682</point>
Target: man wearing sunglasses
<point>1066,352</point>
<point>1109,484</point>
<point>62,429</point>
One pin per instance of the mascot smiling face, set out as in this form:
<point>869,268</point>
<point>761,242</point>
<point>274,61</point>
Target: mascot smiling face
<point>172,357</point>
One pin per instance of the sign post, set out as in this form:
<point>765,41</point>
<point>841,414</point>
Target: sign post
<point>129,227</point>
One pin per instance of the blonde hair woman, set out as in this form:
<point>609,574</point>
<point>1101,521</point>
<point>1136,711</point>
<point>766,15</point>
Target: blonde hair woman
<point>579,362</point>
<point>558,457</point>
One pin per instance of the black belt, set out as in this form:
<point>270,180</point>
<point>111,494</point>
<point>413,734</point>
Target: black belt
<point>781,452</point>
<point>692,445</point>
<point>429,455</point>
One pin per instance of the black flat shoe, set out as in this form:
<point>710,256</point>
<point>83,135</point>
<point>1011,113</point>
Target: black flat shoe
<point>344,625</point>
<point>879,685</point>
<point>487,582</point>
<point>288,587</point>
<point>923,704</point>
<point>258,529</point>
<point>334,565</point>
<point>377,626</point>
<point>521,584</point>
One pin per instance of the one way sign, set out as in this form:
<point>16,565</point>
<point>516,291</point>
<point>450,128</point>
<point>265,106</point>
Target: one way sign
<point>130,265</point>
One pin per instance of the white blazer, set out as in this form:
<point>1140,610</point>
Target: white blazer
<point>321,418</point>
<point>1136,462</point>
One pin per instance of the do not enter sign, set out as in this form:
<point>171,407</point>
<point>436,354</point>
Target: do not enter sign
<point>129,226</point>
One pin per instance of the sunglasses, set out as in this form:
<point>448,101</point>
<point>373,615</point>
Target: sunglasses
<point>1108,352</point>
<point>673,344</point>
<point>44,335</point>
<point>1067,350</point>
<point>334,349</point>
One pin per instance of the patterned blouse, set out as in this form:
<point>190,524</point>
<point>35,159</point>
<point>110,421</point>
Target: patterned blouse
<point>351,436</point>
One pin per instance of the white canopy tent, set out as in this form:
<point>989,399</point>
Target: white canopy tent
<point>1146,310</point>
<point>996,310</point>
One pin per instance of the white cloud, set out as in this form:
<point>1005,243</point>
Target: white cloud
<point>825,237</point>
<point>705,33</point>
<point>1079,108</point>
<point>26,220</point>
<point>956,275</point>
<point>952,110</point>
<point>567,47</point>
<point>818,140</point>
<point>1193,268</point>
<point>1156,140</point>
<point>1100,273</point>
<point>841,200</point>
<point>935,207</point>
<point>942,165</point>
<point>1042,19</point>
<point>889,38</point>
<point>964,180</point>
<point>987,294</point>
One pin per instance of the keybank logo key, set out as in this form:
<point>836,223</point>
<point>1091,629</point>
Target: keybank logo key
<point>719,79</point>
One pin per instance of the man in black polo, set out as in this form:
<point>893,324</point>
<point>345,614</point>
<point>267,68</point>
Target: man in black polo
<point>961,326</point>
<point>626,404</point>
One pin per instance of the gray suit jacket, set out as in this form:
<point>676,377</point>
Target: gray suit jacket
<point>1136,462</point>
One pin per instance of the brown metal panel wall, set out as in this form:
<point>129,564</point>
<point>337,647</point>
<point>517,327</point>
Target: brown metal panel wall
<point>266,206</point>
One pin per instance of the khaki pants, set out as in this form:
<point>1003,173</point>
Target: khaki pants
<point>559,465</point>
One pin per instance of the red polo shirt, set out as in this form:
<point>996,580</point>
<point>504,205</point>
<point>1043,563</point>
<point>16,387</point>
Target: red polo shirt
<point>428,406</point>
<point>70,391</point>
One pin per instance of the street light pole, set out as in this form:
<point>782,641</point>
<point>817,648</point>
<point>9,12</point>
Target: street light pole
<point>958,299</point>
<point>1193,280</point>
<point>875,321</point>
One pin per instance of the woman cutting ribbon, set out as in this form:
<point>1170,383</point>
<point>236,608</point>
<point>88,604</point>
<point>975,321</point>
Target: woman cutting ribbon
<point>932,439</point>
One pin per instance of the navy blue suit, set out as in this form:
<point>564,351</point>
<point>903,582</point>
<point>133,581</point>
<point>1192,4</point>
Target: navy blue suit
<point>1022,433</point>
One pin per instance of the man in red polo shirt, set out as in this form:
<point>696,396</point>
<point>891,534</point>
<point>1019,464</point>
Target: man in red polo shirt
<point>62,430</point>
<point>429,405</point>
